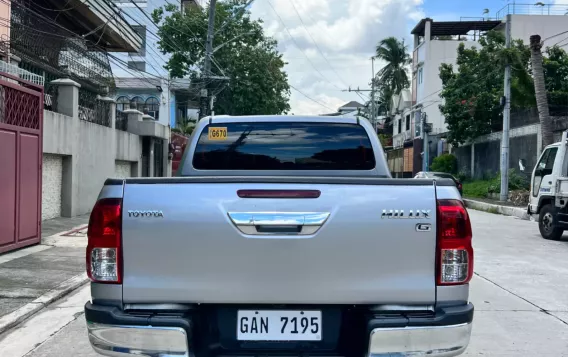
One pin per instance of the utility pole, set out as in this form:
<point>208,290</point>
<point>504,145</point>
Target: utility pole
<point>506,120</point>
<point>373,118</point>
<point>425,144</point>
<point>358,90</point>
<point>204,102</point>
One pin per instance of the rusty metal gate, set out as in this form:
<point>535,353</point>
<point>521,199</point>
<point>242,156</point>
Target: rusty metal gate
<point>21,121</point>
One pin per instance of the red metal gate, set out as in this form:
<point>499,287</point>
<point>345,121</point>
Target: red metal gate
<point>21,121</point>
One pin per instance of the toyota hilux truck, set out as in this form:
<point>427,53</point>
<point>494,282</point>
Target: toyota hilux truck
<point>281,236</point>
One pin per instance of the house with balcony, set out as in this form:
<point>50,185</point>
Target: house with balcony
<point>67,48</point>
<point>436,42</point>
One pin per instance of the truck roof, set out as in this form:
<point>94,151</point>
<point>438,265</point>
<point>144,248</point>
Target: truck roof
<point>278,118</point>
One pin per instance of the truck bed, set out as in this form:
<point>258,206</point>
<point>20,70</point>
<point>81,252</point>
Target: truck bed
<point>348,247</point>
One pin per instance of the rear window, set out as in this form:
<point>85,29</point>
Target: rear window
<point>283,146</point>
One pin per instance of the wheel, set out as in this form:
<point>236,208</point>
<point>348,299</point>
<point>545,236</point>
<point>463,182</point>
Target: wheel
<point>546,224</point>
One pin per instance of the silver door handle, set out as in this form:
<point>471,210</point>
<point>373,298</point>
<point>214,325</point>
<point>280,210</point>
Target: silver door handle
<point>252,222</point>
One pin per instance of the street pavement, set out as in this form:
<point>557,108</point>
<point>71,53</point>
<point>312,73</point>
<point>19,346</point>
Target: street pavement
<point>33,277</point>
<point>520,292</point>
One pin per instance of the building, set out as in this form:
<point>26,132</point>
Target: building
<point>142,81</point>
<point>400,157</point>
<point>166,101</point>
<point>403,123</point>
<point>147,58</point>
<point>350,109</point>
<point>59,135</point>
<point>436,42</point>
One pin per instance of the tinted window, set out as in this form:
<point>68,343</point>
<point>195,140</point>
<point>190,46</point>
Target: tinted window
<point>284,146</point>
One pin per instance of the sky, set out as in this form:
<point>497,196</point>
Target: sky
<point>328,43</point>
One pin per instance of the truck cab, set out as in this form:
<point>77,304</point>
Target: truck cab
<point>549,190</point>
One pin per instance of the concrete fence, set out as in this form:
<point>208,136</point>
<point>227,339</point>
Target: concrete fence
<point>79,155</point>
<point>481,158</point>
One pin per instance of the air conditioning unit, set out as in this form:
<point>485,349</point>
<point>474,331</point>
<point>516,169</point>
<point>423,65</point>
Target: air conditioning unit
<point>153,114</point>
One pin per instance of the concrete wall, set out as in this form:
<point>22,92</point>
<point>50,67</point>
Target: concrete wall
<point>78,157</point>
<point>438,52</point>
<point>524,144</point>
<point>122,169</point>
<point>52,173</point>
<point>524,26</point>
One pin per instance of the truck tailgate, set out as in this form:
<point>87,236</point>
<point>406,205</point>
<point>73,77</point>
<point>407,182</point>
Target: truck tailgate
<point>193,252</point>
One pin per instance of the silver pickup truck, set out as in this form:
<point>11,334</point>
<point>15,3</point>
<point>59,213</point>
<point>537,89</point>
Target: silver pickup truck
<point>282,236</point>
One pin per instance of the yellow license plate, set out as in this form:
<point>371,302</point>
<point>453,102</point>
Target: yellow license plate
<point>217,133</point>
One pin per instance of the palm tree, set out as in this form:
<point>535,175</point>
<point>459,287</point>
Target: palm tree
<point>540,91</point>
<point>393,76</point>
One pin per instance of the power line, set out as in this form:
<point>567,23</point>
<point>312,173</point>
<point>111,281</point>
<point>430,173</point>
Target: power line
<point>298,46</point>
<point>310,98</point>
<point>558,34</point>
<point>315,43</point>
<point>119,62</point>
<point>235,17</point>
<point>179,31</point>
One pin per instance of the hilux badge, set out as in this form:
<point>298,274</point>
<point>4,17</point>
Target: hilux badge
<point>402,214</point>
<point>139,214</point>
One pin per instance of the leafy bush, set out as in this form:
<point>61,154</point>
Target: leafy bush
<point>481,188</point>
<point>557,98</point>
<point>462,176</point>
<point>445,163</point>
<point>476,188</point>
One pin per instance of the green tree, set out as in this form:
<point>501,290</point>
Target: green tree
<point>393,77</point>
<point>257,82</point>
<point>473,91</point>
<point>555,65</point>
<point>445,163</point>
<point>184,127</point>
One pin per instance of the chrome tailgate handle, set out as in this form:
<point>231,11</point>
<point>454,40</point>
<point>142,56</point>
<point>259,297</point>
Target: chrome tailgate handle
<point>278,223</point>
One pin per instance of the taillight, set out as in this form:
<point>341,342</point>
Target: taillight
<point>459,186</point>
<point>104,251</point>
<point>455,252</point>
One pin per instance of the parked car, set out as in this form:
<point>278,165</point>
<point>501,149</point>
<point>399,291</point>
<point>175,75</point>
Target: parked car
<point>284,235</point>
<point>437,175</point>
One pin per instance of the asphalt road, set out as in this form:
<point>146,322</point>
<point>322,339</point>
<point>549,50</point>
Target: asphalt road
<point>520,292</point>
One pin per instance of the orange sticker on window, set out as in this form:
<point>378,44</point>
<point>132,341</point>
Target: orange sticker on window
<point>217,133</point>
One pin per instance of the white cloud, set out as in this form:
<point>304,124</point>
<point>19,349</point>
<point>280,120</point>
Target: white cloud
<point>346,31</point>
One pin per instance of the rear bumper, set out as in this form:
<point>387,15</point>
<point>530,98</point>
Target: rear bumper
<point>420,341</point>
<point>118,334</point>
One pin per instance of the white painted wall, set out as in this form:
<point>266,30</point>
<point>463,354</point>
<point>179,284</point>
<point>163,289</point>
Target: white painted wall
<point>523,26</point>
<point>438,52</point>
<point>52,174</point>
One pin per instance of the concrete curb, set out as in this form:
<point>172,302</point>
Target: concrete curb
<point>14,318</point>
<point>519,212</point>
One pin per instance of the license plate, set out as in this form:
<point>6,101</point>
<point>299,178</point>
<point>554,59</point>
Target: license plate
<point>217,133</point>
<point>279,325</point>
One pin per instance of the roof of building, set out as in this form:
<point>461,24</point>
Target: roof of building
<point>83,17</point>
<point>451,28</point>
<point>352,104</point>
